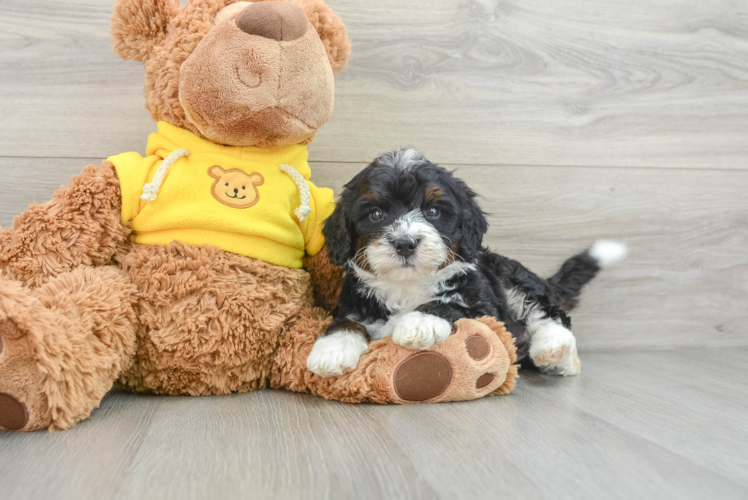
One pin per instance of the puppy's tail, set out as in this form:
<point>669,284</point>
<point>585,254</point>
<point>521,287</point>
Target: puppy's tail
<point>580,269</point>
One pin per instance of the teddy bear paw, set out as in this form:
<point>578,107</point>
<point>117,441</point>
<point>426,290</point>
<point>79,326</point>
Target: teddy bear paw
<point>23,405</point>
<point>473,362</point>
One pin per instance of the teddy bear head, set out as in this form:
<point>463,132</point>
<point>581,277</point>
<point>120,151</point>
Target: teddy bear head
<point>236,73</point>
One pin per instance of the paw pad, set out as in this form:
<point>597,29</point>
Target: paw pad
<point>484,380</point>
<point>13,414</point>
<point>477,347</point>
<point>553,356</point>
<point>422,376</point>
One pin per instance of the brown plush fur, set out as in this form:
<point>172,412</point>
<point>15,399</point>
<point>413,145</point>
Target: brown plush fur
<point>331,30</point>
<point>209,320</point>
<point>79,226</point>
<point>75,334</point>
<point>327,279</point>
<point>139,25</point>
<point>506,338</point>
<point>82,307</point>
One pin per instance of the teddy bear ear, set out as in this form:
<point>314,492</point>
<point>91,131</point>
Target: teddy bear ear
<point>139,25</point>
<point>331,31</point>
<point>216,172</point>
<point>256,179</point>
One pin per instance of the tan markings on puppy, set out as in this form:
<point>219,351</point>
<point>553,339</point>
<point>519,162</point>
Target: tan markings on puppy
<point>235,188</point>
<point>433,194</point>
<point>451,254</point>
<point>363,189</point>
<point>362,260</point>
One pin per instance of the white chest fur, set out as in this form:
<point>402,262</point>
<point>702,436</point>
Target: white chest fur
<point>402,296</point>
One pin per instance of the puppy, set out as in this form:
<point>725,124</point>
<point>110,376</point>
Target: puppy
<point>409,236</point>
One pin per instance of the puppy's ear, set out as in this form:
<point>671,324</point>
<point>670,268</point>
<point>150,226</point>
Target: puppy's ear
<point>474,225</point>
<point>338,235</point>
<point>331,31</point>
<point>139,25</point>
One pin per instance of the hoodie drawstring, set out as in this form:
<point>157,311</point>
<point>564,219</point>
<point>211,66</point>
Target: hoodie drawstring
<point>303,210</point>
<point>150,190</point>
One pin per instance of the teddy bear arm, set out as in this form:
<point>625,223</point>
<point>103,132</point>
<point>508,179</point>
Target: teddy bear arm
<point>326,279</point>
<point>477,360</point>
<point>79,226</point>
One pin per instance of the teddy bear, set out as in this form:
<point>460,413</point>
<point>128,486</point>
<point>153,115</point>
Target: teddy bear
<point>200,268</point>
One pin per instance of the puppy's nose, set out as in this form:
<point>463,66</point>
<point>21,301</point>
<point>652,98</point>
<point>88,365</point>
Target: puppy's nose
<point>279,21</point>
<point>406,246</point>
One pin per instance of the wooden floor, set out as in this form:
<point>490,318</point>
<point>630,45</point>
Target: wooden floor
<point>575,120</point>
<point>652,425</point>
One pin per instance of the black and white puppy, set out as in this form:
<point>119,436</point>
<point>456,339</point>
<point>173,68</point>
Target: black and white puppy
<point>409,235</point>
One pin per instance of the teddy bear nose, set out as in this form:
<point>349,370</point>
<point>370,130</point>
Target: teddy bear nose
<point>279,21</point>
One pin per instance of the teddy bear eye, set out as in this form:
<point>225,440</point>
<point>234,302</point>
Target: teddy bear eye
<point>227,183</point>
<point>243,187</point>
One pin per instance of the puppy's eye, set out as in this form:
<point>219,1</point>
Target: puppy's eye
<point>433,212</point>
<point>376,215</point>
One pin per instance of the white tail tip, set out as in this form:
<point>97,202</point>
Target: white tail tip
<point>608,252</point>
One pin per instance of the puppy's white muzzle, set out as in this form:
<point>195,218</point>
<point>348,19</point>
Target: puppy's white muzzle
<point>410,248</point>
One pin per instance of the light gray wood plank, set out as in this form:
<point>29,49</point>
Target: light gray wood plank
<point>629,427</point>
<point>684,284</point>
<point>63,88</point>
<point>479,81</point>
<point>691,388</point>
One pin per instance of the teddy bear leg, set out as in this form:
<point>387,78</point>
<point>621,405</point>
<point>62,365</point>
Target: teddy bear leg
<point>62,346</point>
<point>475,361</point>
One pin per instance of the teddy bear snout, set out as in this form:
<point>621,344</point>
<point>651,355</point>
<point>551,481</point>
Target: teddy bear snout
<point>279,21</point>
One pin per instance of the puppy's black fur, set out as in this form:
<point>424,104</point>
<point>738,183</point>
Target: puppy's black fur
<point>404,186</point>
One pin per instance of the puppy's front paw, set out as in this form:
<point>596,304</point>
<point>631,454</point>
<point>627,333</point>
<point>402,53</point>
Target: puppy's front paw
<point>336,353</point>
<point>417,330</point>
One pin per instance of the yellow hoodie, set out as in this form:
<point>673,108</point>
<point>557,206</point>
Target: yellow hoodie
<point>245,200</point>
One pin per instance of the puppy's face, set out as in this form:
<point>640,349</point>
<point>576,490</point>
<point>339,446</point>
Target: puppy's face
<point>404,217</point>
